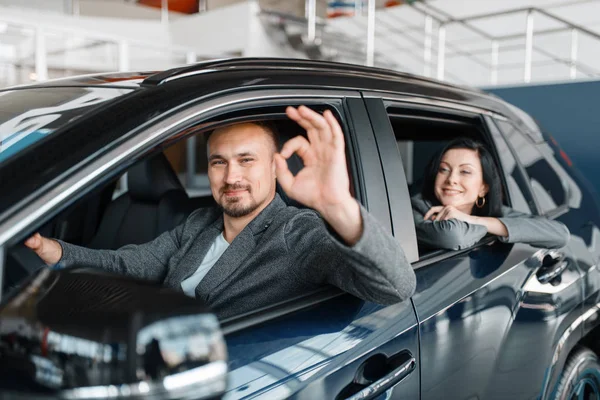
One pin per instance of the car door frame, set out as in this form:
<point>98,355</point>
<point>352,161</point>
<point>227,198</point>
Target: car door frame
<point>96,171</point>
<point>579,327</point>
<point>360,133</point>
<point>382,127</point>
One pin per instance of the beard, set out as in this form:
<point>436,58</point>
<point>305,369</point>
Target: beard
<point>233,206</point>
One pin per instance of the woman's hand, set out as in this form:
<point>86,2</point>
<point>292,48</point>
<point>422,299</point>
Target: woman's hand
<point>442,213</point>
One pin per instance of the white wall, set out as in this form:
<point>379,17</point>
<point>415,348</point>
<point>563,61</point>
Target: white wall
<point>136,30</point>
<point>234,29</point>
<point>218,31</point>
<point>47,5</point>
<point>120,9</point>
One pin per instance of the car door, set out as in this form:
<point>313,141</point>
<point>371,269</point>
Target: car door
<point>323,345</point>
<point>330,345</point>
<point>558,191</point>
<point>486,321</point>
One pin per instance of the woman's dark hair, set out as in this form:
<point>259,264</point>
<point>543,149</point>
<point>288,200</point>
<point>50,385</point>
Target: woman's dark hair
<point>493,198</point>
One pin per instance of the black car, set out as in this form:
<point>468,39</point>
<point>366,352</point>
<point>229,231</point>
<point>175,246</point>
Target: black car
<point>99,160</point>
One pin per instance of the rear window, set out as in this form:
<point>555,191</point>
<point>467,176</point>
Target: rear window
<point>29,115</point>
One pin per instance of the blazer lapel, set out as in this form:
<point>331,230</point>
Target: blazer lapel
<point>190,262</point>
<point>239,250</point>
<point>231,259</point>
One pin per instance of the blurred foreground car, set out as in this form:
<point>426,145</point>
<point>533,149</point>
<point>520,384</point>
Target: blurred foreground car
<point>99,161</point>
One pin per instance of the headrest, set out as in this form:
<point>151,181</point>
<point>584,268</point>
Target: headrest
<point>150,179</point>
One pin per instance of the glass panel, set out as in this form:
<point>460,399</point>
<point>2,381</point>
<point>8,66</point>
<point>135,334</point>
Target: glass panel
<point>545,183</point>
<point>511,173</point>
<point>27,116</point>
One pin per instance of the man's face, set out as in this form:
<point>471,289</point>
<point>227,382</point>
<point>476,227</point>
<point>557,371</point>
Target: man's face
<point>241,169</point>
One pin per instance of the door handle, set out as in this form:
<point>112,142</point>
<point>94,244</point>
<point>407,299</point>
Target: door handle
<point>399,367</point>
<point>554,264</point>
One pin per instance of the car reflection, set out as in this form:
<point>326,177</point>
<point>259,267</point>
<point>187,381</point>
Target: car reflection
<point>48,343</point>
<point>342,325</point>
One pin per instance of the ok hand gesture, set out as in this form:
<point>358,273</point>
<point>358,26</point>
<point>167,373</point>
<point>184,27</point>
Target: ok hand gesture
<point>323,184</point>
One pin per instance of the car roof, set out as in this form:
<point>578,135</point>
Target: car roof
<point>351,76</point>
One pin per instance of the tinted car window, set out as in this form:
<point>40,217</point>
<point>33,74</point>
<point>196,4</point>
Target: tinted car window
<point>520,195</point>
<point>29,115</point>
<point>547,186</point>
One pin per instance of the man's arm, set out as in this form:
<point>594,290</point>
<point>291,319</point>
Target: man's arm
<point>374,269</point>
<point>372,263</point>
<point>146,261</point>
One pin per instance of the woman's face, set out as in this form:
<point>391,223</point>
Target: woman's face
<point>459,181</point>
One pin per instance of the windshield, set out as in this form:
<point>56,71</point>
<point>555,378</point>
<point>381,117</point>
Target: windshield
<point>28,115</point>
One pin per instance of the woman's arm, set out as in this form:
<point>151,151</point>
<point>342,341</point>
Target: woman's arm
<point>493,225</point>
<point>450,233</point>
<point>535,230</point>
<point>512,227</point>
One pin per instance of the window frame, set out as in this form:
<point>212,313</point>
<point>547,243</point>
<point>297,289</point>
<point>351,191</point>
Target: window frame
<point>525,186</point>
<point>560,208</point>
<point>37,208</point>
<point>447,109</point>
<point>348,106</point>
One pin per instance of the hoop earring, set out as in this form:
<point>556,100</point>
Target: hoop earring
<point>477,202</point>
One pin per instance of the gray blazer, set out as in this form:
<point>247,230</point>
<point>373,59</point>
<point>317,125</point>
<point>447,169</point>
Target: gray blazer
<point>455,234</point>
<point>282,253</point>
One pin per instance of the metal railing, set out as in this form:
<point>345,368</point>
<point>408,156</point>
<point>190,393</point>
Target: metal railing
<point>431,43</point>
<point>47,51</point>
<point>496,41</point>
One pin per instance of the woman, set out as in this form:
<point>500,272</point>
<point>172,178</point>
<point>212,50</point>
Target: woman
<point>461,202</point>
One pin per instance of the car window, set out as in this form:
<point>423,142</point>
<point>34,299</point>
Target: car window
<point>29,115</point>
<point>136,214</point>
<point>421,134</point>
<point>521,198</point>
<point>547,186</point>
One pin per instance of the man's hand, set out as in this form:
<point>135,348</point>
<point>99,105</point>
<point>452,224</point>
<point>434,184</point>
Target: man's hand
<point>323,184</point>
<point>50,251</point>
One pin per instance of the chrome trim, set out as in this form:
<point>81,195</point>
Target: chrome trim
<point>427,101</point>
<point>333,67</point>
<point>41,204</point>
<point>187,74</point>
<point>382,384</point>
<point>201,382</point>
<point>2,261</point>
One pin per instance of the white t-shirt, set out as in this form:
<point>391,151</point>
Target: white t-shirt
<point>212,256</point>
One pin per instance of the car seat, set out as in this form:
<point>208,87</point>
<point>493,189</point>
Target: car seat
<point>154,203</point>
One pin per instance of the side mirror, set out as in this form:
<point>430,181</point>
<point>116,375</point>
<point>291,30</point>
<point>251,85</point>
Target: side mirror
<point>179,357</point>
<point>86,336</point>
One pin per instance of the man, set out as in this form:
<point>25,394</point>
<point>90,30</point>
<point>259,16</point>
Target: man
<point>254,251</point>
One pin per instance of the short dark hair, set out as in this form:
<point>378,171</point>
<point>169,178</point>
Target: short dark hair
<point>271,129</point>
<point>491,177</point>
<point>268,126</point>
